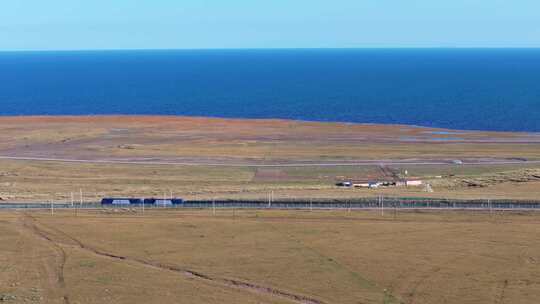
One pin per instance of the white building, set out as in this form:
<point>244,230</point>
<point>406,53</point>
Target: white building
<point>413,183</point>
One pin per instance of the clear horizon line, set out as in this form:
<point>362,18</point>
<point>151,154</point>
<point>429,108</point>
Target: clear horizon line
<point>276,48</point>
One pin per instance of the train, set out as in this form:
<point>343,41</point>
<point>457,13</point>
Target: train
<point>140,201</point>
<point>163,202</point>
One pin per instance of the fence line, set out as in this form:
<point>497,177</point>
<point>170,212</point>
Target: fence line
<point>364,203</point>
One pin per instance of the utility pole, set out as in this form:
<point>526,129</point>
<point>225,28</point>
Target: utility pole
<point>143,206</point>
<point>164,198</point>
<point>80,192</point>
<point>76,207</point>
<point>52,208</point>
<point>214,207</point>
<point>382,205</point>
<point>73,203</point>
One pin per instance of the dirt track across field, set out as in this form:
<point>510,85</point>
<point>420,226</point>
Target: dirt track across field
<point>327,257</point>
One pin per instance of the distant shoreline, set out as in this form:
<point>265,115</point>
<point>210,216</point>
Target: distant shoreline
<point>155,118</point>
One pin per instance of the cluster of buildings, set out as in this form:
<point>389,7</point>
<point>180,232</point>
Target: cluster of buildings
<point>381,183</point>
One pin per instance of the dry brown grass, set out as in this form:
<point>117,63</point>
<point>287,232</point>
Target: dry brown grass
<point>260,140</point>
<point>44,181</point>
<point>330,256</point>
<point>200,140</point>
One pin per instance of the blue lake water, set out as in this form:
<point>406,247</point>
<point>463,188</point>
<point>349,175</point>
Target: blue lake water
<point>485,89</point>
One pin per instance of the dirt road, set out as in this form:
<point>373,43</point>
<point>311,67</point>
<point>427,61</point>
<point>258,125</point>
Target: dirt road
<point>471,162</point>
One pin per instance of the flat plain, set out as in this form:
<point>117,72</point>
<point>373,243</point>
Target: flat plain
<point>47,158</point>
<point>193,256</point>
<point>128,255</point>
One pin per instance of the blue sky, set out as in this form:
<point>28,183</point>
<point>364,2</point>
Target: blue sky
<point>158,24</point>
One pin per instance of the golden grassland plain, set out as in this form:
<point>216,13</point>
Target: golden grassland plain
<point>203,142</point>
<point>193,256</point>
